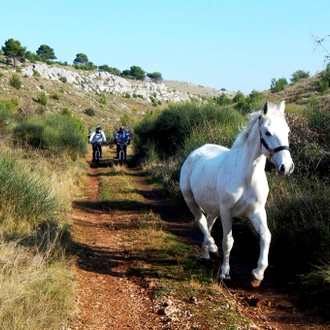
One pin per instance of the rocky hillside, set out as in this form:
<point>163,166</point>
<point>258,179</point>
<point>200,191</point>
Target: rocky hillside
<point>111,97</point>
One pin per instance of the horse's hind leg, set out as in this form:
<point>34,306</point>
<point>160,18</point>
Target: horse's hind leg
<point>208,243</point>
<point>210,222</point>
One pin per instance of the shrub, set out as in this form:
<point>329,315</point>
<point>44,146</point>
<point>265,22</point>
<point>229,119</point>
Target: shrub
<point>65,134</point>
<point>223,99</point>
<point>322,86</point>
<point>103,99</point>
<point>27,196</point>
<point>55,97</point>
<point>278,85</point>
<point>66,112</point>
<point>63,79</point>
<point>15,81</point>
<point>7,112</point>
<point>30,132</point>
<point>250,103</point>
<point>155,76</point>
<point>57,134</point>
<point>42,99</point>
<point>36,73</point>
<point>153,101</point>
<point>169,128</point>
<point>319,121</point>
<point>297,75</point>
<point>90,112</point>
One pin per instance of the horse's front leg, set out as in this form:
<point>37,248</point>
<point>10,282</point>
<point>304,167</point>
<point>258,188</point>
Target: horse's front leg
<point>227,244</point>
<point>259,221</point>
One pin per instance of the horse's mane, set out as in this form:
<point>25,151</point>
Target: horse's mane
<point>253,117</point>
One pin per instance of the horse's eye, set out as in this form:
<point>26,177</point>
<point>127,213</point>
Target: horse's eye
<point>268,133</point>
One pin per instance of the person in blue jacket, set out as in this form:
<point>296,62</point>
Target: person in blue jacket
<point>122,137</point>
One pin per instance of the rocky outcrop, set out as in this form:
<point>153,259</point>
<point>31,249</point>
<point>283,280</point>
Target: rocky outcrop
<point>104,82</point>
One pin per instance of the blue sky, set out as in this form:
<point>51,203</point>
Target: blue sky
<point>233,44</point>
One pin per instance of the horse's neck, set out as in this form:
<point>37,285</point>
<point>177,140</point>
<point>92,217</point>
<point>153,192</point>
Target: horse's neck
<point>253,157</point>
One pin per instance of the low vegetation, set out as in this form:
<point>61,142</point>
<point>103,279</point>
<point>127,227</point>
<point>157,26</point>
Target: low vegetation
<point>38,182</point>
<point>37,287</point>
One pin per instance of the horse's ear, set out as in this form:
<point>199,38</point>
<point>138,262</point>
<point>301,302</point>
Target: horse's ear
<point>264,109</point>
<point>281,106</point>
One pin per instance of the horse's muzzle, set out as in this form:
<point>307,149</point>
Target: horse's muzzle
<point>284,171</point>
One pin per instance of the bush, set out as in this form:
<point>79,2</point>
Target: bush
<point>66,112</point>
<point>223,99</point>
<point>30,132</point>
<point>15,82</point>
<point>103,99</point>
<point>28,197</point>
<point>169,128</point>
<point>42,99</point>
<point>7,112</point>
<point>36,73</point>
<point>65,134</point>
<point>300,74</point>
<point>278,85</point>
<point>90,112</point>
<point>322,86</point>
<point>57,134</point>
<point>250,103</point>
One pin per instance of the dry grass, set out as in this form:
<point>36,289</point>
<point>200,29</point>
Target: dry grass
<point>36,284</point>
<point>33,295</point>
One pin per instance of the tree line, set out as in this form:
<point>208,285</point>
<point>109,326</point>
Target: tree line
<point>14,52</point>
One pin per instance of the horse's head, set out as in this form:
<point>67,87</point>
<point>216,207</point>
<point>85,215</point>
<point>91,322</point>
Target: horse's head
<point>274,137</point>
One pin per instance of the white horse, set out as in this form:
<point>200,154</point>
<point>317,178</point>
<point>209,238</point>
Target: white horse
<point>232,183</point>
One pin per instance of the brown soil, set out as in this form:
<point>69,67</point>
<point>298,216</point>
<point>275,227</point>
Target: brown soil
<point>111,296</point>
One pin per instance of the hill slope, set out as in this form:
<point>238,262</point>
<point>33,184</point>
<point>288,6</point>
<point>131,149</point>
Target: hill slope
<point>113,98</point>
<point>110,96</point>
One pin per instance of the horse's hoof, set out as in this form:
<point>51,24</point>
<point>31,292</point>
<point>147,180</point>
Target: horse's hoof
<point>216,253</point>
<point>213,248</point>
<point>224,278</point>
<point>255,283</point>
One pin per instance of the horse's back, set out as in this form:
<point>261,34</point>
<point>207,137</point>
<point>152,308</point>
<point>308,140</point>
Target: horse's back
<point>199,158</point>
<point>207,151</point>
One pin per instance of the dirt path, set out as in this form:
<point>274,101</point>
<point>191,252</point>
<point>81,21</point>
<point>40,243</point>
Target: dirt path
<point>109,296</point>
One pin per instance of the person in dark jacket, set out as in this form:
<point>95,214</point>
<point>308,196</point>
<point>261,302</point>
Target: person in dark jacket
<point>122,137</point>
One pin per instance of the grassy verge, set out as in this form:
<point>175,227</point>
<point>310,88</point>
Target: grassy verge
<point>36,284</point>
